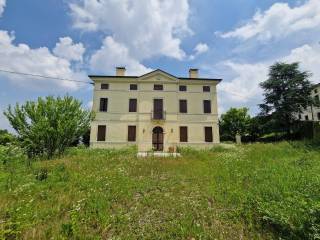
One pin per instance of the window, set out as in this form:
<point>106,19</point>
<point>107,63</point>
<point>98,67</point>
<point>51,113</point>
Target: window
<point>101,133</point>
<point>104,86</point>
<point>183,106</point>
<point>131,133</point>
<point>208,134</point>
<point>183,134</point>
<point>158,109</point>
<point>182,88</point>
<point>158,87</point>
<point>306,117</point>
<point>318,115</point>
<point>316,91</point>
<point>206,88</point>
<point>133,105</point>
<point>103,104</point>
<point>317,98</point>
<point>299,116</point>
<point>206,106</point>
<point>133,87</point>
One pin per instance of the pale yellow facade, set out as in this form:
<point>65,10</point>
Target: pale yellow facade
<point>312,113</point>
<point>117,118</point>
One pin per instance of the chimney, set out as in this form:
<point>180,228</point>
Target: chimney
<point>193,73</point>
<point>120,71</point>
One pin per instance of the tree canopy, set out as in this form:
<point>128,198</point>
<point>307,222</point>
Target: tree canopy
<point>286,93</point>
<point>47,126</point>
<point>235,121</point>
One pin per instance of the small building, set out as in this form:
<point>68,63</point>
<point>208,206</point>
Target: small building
<point>311,113</point>
<point>156,111</point>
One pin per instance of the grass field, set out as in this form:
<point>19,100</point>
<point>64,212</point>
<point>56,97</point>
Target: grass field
<point>257,191</point>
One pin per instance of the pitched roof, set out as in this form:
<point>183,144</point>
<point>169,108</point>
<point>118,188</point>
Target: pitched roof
<point>157,70</point>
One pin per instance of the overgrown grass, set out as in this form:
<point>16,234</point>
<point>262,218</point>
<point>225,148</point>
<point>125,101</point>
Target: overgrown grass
<point>257,191</point>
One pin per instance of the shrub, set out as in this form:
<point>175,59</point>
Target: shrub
<point>41,174</point>
<point>46,127</point>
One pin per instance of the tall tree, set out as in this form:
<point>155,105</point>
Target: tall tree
<point>47,126</point>
<point>286,93</point>
<point>235,122</point>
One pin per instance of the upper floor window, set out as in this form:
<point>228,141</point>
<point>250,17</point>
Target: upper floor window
<point>206,88</point>
<point>101,135</point>
<point>316,91</point>
<point>132,105</point>
<point>306,117</point>
<point>104,86</point>
<point>183,134</point>
<point>183,108</point>
<point>133,87</point>
<point>103,105</point>
<point>182,88</point>
<point>131,133</point>
<point>208,134</point>
<point>206,106</point>
<point>317,98</point>
<point>158,87</point>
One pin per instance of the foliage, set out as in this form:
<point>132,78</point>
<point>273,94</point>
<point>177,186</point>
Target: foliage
<point>255,191</point>
<point>46,127</point>
<point>235,121</point>
<point>286,93</point>
<point>41,174</point>
<point>6,137</point>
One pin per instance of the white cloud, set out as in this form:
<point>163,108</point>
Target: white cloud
<point>309,58</point>
<point>199,49</point>
<point>146,27</point>
<point>244,86</point>
<point>2,6</point>
<point>113,54</point>
<point>279,21</point>
<point>22,58</point>
<point>65,48</point>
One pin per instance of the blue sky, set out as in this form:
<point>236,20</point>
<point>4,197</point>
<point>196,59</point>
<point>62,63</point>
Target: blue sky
<point>233,39</point>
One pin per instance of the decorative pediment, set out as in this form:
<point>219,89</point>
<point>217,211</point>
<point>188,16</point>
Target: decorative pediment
<point>157,75</point>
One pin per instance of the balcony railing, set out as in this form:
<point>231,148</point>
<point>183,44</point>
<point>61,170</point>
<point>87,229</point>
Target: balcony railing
<point>158,115</point>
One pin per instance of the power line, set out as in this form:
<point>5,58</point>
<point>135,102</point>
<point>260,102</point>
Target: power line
<point>238,95</point>
<point>86,82</point>
<point>42,76</point>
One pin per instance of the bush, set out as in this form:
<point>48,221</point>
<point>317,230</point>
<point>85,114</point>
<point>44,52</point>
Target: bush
<point>41,174</point>
<point>48,126</point>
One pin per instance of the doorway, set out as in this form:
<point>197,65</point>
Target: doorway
<point>157,139</point>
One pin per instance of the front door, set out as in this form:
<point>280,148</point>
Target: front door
<point>157,139</point>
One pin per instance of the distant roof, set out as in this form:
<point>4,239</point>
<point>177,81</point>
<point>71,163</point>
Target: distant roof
<point>157,70</point>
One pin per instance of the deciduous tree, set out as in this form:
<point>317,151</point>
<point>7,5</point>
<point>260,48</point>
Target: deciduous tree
<point>47,126</point>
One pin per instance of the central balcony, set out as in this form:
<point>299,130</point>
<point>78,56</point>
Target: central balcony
<point>158,115</point>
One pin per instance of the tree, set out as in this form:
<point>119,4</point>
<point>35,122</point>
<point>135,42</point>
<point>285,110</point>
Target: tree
<point>286,93</point>
<point>234,121</point>
<point>47,126</point>
<point>6,137</point>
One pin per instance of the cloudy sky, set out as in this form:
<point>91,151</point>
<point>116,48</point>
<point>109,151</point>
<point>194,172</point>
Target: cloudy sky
<point>232,39</point>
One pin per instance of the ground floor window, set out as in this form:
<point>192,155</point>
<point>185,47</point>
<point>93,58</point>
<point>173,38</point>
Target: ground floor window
<point>101,136</point>
<point>208,134</point>
<point>131,133</point>
<point>183,134</point>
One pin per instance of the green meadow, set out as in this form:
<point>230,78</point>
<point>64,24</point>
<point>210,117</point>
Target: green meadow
<point>254,191</point>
